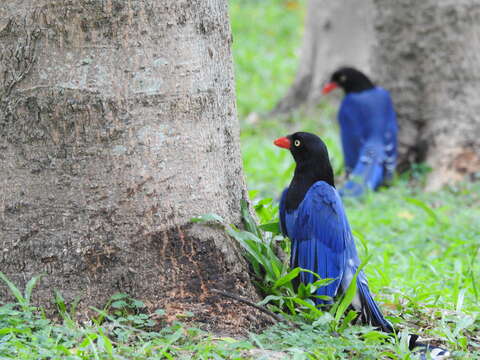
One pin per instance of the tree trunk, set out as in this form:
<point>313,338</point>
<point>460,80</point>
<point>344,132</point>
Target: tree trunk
<point>336,33</point>
<point>428,56</point>
<point>117,125</point>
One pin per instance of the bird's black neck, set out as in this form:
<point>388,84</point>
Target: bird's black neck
<point>359,85</point>
<point>306,174</point>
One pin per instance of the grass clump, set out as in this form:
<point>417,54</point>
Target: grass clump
<point>122,330</point>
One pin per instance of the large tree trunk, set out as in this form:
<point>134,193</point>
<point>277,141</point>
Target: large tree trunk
<point>336,33</point>
<point>428,56</point>
<point>117,125</point>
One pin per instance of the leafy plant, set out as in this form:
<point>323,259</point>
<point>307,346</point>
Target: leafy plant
<point>284,293</point>
<point>22,299</point>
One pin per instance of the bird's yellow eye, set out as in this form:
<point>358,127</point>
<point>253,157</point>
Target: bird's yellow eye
<point>296,143</point>
<point>343,78</point>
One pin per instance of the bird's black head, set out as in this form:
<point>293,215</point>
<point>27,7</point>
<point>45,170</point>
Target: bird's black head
<point>349,79</point>
<point>313,164</point>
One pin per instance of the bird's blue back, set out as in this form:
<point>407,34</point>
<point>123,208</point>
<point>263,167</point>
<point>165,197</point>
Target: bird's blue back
<point>373,110</point>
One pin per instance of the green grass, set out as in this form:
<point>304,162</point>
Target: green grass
<point>268,168</point>
<point>266,38</point>
<point>424,268</point>
<point>425,264</point>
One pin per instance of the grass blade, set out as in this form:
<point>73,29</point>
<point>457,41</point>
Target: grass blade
<point>29,287</point>
<point>287,278</point>
<point>422,205</point>
<point>349,294</point>
<point>14,290</point>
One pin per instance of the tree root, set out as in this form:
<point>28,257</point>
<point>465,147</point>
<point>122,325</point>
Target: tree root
<point>277,317</point>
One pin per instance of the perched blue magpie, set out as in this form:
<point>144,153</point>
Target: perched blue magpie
<point>368,129</point>
<point>312,216</point>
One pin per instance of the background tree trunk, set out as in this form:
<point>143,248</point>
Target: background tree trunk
<point>117,125</point>
<point>428,56</point>
<point>336,33</point>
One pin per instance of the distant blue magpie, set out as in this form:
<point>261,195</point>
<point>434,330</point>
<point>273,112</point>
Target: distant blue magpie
<point>368,129</point>
<point>312,216</point>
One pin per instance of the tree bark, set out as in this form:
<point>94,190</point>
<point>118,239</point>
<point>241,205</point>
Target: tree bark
<point>428,56</point>
<point>117,125</point>
<point>336,33</point>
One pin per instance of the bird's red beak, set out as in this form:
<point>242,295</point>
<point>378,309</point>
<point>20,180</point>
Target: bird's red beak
<point>329,87</point>
<point>283,142</point>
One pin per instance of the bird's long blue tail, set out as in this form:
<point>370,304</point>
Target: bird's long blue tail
<point>370,312</point>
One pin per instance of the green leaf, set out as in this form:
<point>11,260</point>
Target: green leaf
<point>460,299</point>
<point>30,285</point>
<point>138,304</point>
<point>352,314</point>
<point>119,304</point>
<point>322,297</point>
<point>103,315</point>
<point>107,344</point>
<point>259,251</point>
<point>60,301</point>
<point>268,299</point>
<point>252,193</point>
<point>171,340</point>
<point>4,331</point>
<point>250,223</point>
<point>14,290</point>
<point>273,227</point>
<point>287,278</point>
<point>362,240</point>
<point>310,305</point>
<point>160,312</point>
<point>242,238</point>
<point>322,282</point>
<point>88,339</point>
<point>185,315</point>
<point>263,202</point>
<point>349,294</point>
<point>207,218</point>
<point>119,296</point>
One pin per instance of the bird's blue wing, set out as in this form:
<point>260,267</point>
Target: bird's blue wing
<point>390,137</point>
<point>281,212</point>
<point>323,243</point>
<point>349,119</point>
<point>320,234</point>
<point>376,156</point>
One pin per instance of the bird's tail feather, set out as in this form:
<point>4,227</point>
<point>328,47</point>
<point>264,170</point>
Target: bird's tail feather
<point>371,313</point>
<point>427,351</point>
<point>369,172</point>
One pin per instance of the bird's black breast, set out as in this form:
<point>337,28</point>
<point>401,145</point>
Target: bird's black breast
<point>296,192</point>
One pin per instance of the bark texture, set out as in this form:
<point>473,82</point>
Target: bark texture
<point>428,56</point>
<point>117,125</point>
<point>336,33</point>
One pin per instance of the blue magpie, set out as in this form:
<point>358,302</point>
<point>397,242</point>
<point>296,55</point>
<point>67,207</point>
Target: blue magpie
<point>368,130</point>
<point>312,216</point>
